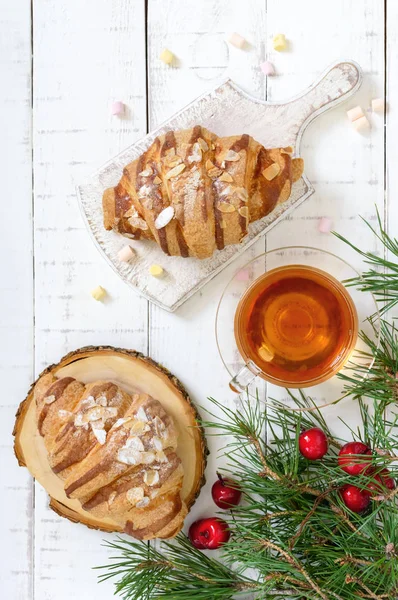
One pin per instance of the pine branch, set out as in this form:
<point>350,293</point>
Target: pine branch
<point>378,382</point>
<point>381,279</point>
<point>293,530</point>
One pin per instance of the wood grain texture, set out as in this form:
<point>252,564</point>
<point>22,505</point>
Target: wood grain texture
<point>16,292</point>
<point>86,55</point>
<point>345,167</point>
<point>185,340</point>
<point>226,110</point>
<point>390,120</point>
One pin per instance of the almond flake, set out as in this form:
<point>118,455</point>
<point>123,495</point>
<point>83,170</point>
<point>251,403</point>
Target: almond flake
<point>161,457</point>
<point>222,224</point>
<point>49,399</point>
<point>102,401</point>
<point>147,458</point>
<point>135,443</point>
<point>165,216</point>
<point>89,401</point>
<point>159,425</point>
<point>138,223</point>
<point>64,414</point>
<point>100,434</point>
<point>226,177</point>
<point>129,456</point>
<point>242,194</point>
<point>111,498</point>
<point>170,152</point>
<point>244,211</point>
<point>157,443</point>
<point>173,161</point>
<point>143,192</point>
<point>139,427</point>
<point>153,494</point>
<point>143,503</point>
<point>135,495</point>
<point>157,180</point>
<point>141,414</point>
<point>79,420</point>
<point>99,424</point>
<point>224,207</point>
<point>175,171</point>
<point>231,156</point>
<point>213,146</point>
<point>196,155</point>
<point>271,172</point>
<point>214,173</point>
<point>226,191</point>
<point>110,412</point>
<point>209,165</point>
<point>147,173</point>
<point>203,144</point>
<point>147,203</point>
<point>121,422</point>
<point>151,477</point>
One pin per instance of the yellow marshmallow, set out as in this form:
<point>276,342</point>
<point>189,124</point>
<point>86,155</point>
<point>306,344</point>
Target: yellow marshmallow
<point>156,270</point>
<point>98,293</point>
<point>279,42</point>
<point>167,57</point>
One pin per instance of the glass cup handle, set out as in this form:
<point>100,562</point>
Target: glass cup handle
<point>244,377</point>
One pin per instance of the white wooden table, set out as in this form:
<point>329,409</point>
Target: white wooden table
<point>61,66</point>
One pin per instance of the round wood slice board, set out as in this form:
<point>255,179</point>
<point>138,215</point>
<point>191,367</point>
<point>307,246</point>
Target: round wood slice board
<point>134,373</point>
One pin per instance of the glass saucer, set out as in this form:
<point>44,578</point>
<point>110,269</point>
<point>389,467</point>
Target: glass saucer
<point>330,390</point>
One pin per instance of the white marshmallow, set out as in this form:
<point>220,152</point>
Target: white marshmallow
<point>378,105</point>
<point>125,254</point>
<point>237,40</point>
<point>361,124</point>
<point>355,113</point>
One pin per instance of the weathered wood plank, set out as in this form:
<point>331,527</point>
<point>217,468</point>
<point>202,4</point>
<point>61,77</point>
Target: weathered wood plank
<point>16,292</point>
<point>345,167</point>
<point>390,120</point>
<point>196,33</point>
<point>86,55</point>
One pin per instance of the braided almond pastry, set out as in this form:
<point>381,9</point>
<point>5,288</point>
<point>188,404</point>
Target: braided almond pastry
<point>115,453</point>
<point>193,192</point>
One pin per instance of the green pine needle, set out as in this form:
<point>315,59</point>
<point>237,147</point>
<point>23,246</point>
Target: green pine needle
<point>381,279</point>
<point>293,537</point>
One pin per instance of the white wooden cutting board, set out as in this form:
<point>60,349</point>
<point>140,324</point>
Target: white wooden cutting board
<point>227,110</point>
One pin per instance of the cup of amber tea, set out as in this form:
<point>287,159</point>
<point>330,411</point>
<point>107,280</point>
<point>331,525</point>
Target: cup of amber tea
<point>295,326</point>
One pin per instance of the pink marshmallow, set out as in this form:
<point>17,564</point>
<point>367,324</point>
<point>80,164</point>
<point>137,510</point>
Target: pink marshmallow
<point>117,108</point>
<point>325,225</point>
<point>243,275</point>
<point>267,68</point>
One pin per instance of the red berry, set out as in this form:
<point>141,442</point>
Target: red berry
<point>209,534</point>
<point>355,499</point>
<point>226,493</point>
<point>382,482</point>
<point>313,443</point>
<point>354,465</point>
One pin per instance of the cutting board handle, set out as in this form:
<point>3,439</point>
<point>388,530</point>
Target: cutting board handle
<point>340,81</point>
